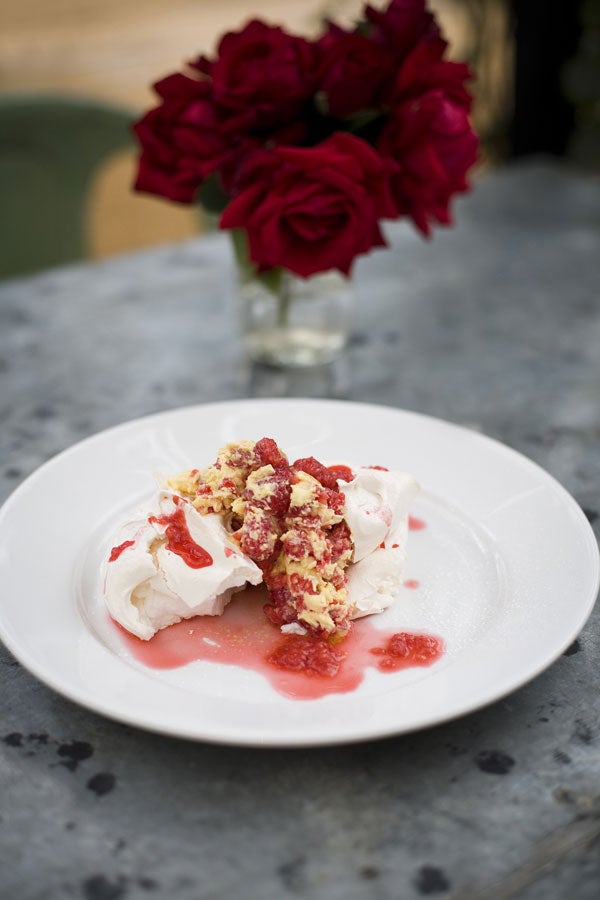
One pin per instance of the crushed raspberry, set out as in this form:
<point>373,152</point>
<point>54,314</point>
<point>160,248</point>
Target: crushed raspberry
<point>268,454</point>
<point>419,646</point>
<point>339,541</point>
<point>258,535</point>
<point>314,656</point>
<point>277,497</point>
<point>339,579</point>
<point>404,649</point>
<point>333,499</point>
<point>275,614</point>
<point>282,609</point>
<point>313,467</point>
<point>296,544</point>
<point>241,458</point>
<point>301,585</point>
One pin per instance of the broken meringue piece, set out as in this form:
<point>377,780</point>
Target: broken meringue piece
<point>377,504</point>
<point>172,564</point>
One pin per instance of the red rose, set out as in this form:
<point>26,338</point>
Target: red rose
<point>401,25</point>
<point>313,209</point>
<point>182,140</point>
<point>354,73</point>
<point>425,69</point>
<point>262,76</point>
<point>429,136</point>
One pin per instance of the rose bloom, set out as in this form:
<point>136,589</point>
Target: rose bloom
<point>261,77</point>
<point>182,140</point>
<point>429,136</point>
<point>354,73</point>
<point>313,209</point>
<point>401,26</point>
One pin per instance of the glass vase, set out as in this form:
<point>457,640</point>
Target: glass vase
<point>288,321</point>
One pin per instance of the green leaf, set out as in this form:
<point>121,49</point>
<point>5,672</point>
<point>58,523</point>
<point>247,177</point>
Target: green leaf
<point>321,103</point>
<point>359,120</point>
<point>271,279</point>
<point>211,195</point>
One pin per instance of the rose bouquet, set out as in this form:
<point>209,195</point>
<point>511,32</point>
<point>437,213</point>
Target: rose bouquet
<point>305,146</point>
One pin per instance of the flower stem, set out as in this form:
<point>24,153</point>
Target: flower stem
<point>271,279</point>
<point>284,296</point>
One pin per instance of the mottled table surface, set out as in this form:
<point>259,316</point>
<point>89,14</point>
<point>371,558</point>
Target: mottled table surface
<point>494,324</point>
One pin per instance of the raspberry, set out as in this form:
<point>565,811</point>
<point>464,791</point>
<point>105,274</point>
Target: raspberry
<point>404,649</point>
<point>268,453</point>
<point>296,545</point>
<point>339,540</point>
<point>314,656</point>
<point>258,535</point>
<point>339,580</point>
<point>333,499</point>
<point>418,646</point>
<point>277,498</point>
<point>313,467</point>
<point>282,609</point>
<point>300,585</point>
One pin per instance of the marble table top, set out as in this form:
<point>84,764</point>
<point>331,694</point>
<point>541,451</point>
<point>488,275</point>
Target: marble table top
<point>494,324</point>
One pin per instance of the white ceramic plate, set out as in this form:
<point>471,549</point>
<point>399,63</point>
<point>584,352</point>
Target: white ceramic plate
<point>507,566</point>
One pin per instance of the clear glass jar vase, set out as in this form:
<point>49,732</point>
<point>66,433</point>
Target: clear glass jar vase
<point>288,321</point>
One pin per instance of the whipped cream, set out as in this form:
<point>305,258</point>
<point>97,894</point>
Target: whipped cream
<point>376,511</point>
<point>147,586</point>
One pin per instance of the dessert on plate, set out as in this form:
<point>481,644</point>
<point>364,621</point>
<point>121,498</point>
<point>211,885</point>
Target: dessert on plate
<point>328,542</point>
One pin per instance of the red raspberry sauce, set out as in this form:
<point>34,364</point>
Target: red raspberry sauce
<point>342,473</point>
<point>116,551</point>
<point>301,668</point>
<point>415,524</point>
<point>180,541</point>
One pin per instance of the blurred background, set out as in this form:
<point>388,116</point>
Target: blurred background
<point>537,66</point>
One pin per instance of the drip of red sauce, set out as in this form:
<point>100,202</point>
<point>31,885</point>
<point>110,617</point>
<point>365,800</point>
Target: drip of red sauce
<point>415,524</point>
<point>412,584</point>
<point>180,541</point>
<point>302,668</point>
<point>116,551</point>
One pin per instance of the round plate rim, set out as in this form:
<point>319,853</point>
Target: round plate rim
<point>308,740</point>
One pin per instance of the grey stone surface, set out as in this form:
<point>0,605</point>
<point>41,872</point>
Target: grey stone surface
<point>494,324</point>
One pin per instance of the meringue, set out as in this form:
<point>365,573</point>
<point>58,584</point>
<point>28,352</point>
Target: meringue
<point>377,503</point>
<point>147,586</point>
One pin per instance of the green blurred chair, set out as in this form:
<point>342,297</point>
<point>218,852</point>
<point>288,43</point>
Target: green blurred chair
<point>50,148</point>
